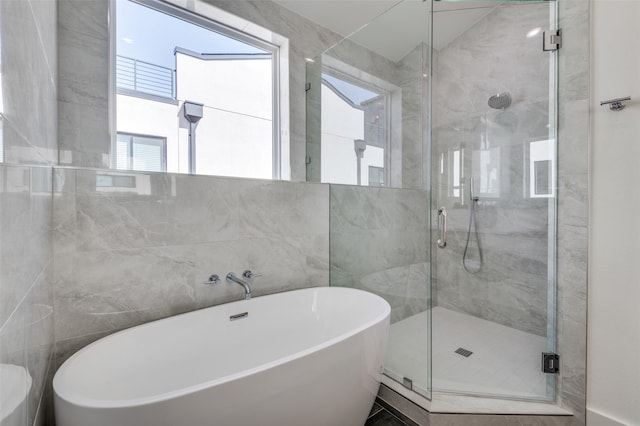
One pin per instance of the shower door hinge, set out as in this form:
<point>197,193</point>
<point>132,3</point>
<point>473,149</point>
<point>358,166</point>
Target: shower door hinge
<point>307,87</point>
<point>550,363</point>
<point>551,40</point>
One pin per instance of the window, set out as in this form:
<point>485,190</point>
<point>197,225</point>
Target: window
<point>486,167</point>
<point>144,153</point>
<point>110,181</point>
<point>456,165</point>
<point>210,94</point>
<point>376,176</point>
<point>541,168</point>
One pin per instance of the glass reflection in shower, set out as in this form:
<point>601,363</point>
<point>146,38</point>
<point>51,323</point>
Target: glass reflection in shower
<point>355,137</point>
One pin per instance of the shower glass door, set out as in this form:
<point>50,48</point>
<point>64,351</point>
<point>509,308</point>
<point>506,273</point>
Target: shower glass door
<point>493,171</point>
<point>446,109</point>
<point>367,135</point>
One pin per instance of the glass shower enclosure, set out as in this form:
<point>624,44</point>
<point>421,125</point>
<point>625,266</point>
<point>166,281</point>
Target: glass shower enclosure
<point>436,126</point>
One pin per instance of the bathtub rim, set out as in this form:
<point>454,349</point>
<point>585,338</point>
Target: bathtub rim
<point>86,402</point>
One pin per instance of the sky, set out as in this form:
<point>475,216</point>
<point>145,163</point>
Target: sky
<point>145,34</point>
<point>148,35</point>
<point>356,94</point>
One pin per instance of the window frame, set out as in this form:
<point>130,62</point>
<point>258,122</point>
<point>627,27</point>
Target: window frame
<point>163,146</point>
<point>223,23</point>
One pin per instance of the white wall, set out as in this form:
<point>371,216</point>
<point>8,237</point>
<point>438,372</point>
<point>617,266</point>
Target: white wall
<point>146,117</point>
<point>613,371</point>
<point>243,86</point>
<point>341,126</point>
<point>235,134</point>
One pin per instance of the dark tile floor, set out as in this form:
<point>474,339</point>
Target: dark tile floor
<point>381,417</point>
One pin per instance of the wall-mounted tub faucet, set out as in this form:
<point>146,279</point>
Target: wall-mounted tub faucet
<point>231,277</point>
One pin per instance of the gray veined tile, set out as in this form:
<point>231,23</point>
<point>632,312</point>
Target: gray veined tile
<point>64,211</point>
<point>161,210</point>
<point>283,263</point>
<point>25,226</point>
<point>282,209</point>
<point>109,290</point>
<point>39,338</point>
<point>365,208</point>
<point>45,15</point>
<point>13,358</point>
<point>86,84</point>
<point>29,95</point>
<point>84,136</point>
<point>86,17</point>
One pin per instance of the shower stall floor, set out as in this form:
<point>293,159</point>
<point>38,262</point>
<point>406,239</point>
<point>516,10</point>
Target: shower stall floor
<point>505,362</point>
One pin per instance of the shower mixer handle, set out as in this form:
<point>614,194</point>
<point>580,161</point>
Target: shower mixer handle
<point>250,275</point>
<point>442,241</point>
<point>213,279</point>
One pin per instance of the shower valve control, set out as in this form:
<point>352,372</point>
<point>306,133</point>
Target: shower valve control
<point>250,275</point>
<point>213,279</point>
<point>550,363</point>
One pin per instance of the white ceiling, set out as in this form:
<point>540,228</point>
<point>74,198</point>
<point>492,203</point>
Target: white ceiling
<point>395,33</point>
<point>341,16</point>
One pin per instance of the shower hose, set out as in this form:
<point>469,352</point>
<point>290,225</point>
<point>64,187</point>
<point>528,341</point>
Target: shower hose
<point>466,264</point>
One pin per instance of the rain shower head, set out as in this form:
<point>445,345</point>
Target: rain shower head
<point>500,101</point>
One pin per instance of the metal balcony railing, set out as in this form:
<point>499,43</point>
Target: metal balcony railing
<point>141,76</point>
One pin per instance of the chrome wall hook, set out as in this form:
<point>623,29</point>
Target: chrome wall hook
<point>616,104</point>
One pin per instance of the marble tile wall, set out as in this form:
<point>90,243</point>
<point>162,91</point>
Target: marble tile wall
<point>511,288</point>
<point>26,289</point>
<point>573,206</point>
<point>29,81</point>
<point>83,82</point>
<point>378,243</point>
<point>28,120</point>
<point>142,249</point>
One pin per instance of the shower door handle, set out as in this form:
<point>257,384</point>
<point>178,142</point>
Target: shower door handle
<point>442,241</point>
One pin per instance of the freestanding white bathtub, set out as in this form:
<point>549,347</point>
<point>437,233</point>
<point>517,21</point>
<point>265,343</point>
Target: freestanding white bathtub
<point>304,357</point>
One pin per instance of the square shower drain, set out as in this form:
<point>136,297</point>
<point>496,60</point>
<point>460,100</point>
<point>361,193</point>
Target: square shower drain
<point>464,352</point>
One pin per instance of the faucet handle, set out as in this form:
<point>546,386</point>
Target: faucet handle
<point>250,275</point>
<point>213,279</point>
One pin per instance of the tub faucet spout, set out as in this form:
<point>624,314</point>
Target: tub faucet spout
<point>231,277</point>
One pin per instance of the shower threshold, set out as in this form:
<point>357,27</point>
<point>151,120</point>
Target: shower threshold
<point>460,404</point>
<point>479,366</point>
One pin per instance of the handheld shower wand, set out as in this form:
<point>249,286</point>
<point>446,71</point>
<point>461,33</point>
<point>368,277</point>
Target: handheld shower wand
<point>475,266</point>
